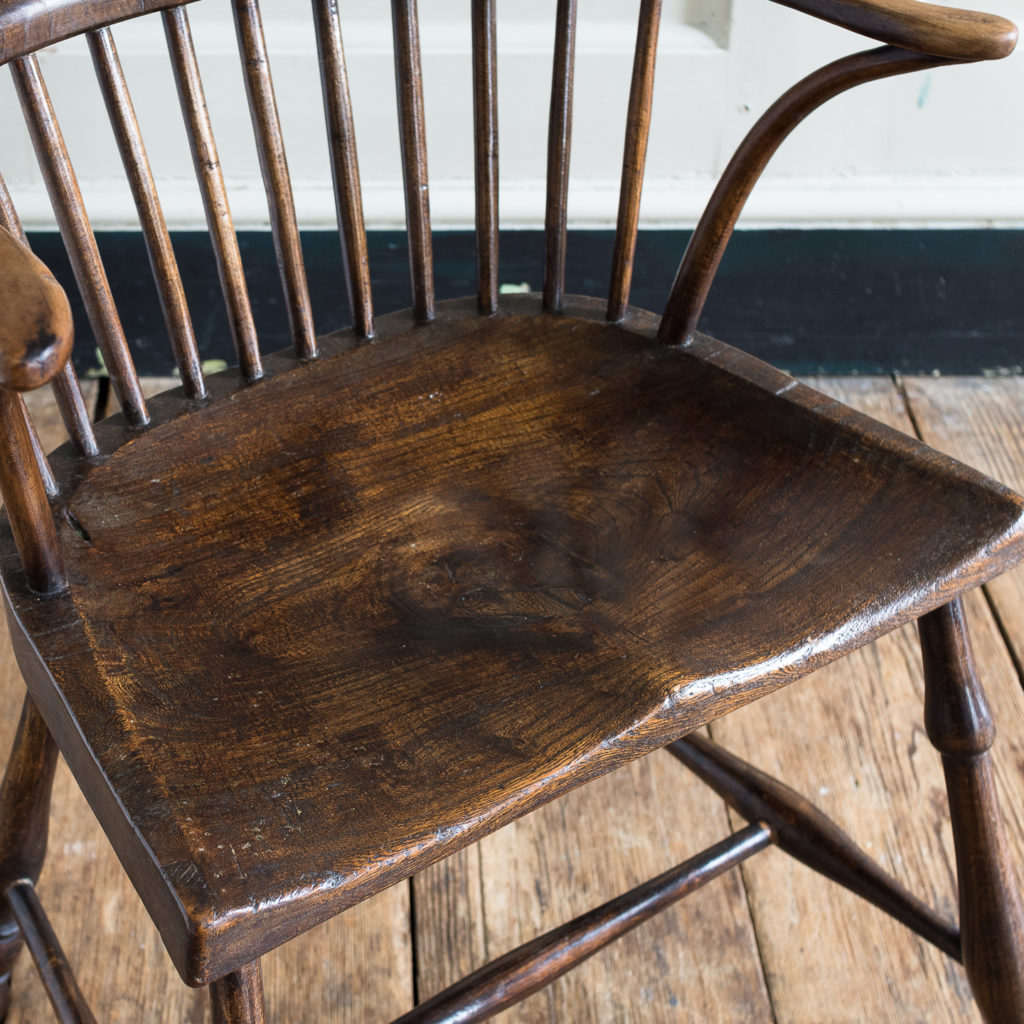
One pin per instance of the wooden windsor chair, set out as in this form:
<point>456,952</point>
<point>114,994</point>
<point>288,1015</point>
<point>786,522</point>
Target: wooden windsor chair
<point>266,616</point>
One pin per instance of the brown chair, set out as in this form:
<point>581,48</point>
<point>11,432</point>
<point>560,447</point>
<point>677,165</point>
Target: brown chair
<point>302,628</point>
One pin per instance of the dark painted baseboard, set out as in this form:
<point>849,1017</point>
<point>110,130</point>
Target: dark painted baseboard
<point>807,301</point>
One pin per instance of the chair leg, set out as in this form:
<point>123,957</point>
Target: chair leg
<point>960,727</point>
<point>237,998</point>
<point>24,817</point>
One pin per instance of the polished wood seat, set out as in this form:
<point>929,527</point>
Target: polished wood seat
<point>304,627</point>
<point>472,565</point>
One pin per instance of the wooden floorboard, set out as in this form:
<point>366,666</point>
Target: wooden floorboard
<point>981,422</point>
<point>849,737</point>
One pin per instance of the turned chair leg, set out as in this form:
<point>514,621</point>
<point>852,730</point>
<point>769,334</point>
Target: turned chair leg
<point>960,727</point>
<point>24,817</point>
<point>237,998</point>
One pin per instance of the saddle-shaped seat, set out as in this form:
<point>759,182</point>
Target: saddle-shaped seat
<point>434,581</point>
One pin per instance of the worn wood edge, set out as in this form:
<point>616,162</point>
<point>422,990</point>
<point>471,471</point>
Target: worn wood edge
<point>203,947</point>
<point>1006,551</point>
<point>28,25</point>
<point>975,418</point>
<point>136,857</point>
<point>949,32</point>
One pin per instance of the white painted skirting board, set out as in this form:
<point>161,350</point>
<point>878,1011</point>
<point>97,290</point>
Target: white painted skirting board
<point>958,202</point>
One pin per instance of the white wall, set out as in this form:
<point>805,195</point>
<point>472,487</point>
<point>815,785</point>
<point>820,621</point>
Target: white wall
<point>929,149</point>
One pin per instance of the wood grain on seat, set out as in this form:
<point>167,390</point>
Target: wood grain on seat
<point>433,581</point>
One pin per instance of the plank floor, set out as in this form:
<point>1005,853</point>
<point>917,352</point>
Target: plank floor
<point>770,942</point>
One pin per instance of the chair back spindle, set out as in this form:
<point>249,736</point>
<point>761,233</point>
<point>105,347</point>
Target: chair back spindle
<point>638,128</point>
<point>45,472</point>
<point>559,144</point>
<point>154,228</point>
<point>344,164</point>
<point>211,186</point>
<point>8,215</point>
<point>25,495</point>
<point>73,411</point>
<point>485,135</point>
<point>78,236</point>
<point>274,165</point>
<point>413,132</point>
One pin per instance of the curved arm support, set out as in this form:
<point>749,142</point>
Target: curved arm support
<point>712,234</point>
<point>924,28</point>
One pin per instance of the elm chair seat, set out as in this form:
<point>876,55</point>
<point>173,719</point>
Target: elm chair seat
<point>472,564</point>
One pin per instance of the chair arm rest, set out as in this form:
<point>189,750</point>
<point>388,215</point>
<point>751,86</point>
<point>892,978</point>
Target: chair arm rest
<point>924,28</point>
<point>36,331</point>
